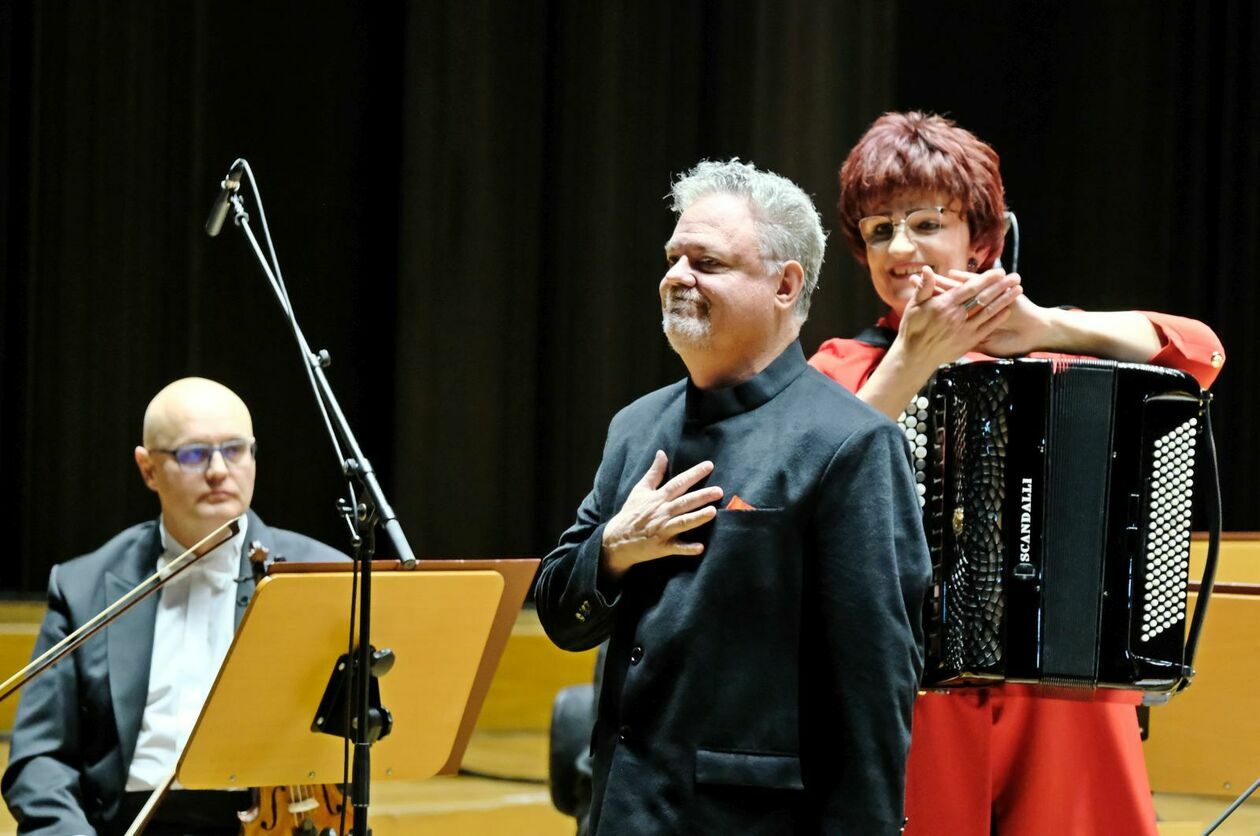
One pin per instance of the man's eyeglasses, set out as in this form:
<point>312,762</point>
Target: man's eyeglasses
<point>878,230</point>
<point>195,458</point>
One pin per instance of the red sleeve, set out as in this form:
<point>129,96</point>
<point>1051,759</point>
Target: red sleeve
<point>848,362</point>
<point>1188,345</point>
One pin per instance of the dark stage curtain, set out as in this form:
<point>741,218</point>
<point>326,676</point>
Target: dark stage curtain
<point>533,222</point>
<point>467,201</point>
<point>123,117</point>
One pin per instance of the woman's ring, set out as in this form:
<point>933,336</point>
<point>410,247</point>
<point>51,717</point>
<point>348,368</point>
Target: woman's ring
<point>973,302</point>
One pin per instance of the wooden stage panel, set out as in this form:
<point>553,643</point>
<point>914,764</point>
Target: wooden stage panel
<point>1206,740</point>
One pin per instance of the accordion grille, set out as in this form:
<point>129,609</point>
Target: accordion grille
<point>1168,531</point>
<point>973,633</point>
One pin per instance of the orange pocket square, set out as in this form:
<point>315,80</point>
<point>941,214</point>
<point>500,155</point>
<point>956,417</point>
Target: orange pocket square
<point>737,504</point>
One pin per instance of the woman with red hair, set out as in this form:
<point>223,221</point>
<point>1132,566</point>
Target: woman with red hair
<point>922,208</point>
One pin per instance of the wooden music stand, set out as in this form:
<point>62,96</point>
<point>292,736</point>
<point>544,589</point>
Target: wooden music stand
<point>447,624</point>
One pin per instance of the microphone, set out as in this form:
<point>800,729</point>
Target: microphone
<point>218,212</point>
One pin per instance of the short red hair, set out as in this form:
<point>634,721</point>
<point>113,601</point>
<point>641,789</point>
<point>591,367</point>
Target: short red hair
<point>923,152</point>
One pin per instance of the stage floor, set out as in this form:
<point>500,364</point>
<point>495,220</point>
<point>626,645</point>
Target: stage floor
<point>505,791</point>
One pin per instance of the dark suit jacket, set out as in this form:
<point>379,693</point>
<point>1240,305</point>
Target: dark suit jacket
<point>765,687</point>
<point>77,723</point>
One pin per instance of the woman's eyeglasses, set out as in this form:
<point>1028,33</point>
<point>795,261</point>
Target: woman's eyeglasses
<point>878,230</point>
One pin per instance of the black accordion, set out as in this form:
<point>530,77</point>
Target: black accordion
<point>1057,500</point>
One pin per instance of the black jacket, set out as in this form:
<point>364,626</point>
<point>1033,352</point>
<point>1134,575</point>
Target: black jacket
<point>77,723</point>
<point>767,686</point>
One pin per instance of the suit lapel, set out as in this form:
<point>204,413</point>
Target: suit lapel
<point>129,643</point>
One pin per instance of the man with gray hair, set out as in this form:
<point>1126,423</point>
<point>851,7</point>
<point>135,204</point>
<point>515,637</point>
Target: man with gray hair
<point>752,550</point>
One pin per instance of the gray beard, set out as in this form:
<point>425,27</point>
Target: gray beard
<point>686,320</point>
<point>687,327</point>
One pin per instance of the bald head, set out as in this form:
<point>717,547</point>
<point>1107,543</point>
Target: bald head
<point>203,493</point>
<point>183,402</point>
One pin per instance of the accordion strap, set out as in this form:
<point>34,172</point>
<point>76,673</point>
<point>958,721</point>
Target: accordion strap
<point>1214,547</point>
<point>877,336</point>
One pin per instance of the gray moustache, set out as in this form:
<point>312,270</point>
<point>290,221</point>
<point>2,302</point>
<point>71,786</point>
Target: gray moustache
<point>683,297</point>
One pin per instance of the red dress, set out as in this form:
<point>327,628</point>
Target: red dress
<point>1000,759</point>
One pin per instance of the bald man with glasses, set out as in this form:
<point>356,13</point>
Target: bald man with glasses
<point>95,734</point>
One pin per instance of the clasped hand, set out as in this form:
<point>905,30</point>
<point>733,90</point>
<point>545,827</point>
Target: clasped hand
<point>953,314</point>
<point>648,524</point>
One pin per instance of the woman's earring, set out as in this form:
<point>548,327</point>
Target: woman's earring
<point>972,264</point>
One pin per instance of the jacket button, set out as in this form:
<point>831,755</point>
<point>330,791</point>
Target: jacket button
<point>636,653</point>
<point>623,733</point>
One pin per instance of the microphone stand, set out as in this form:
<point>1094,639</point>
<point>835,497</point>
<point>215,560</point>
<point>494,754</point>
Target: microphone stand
<point>1229,811</point>
<point>373,510</point>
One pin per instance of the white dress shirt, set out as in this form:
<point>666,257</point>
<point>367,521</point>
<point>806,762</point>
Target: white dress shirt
<point>196,619</point>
